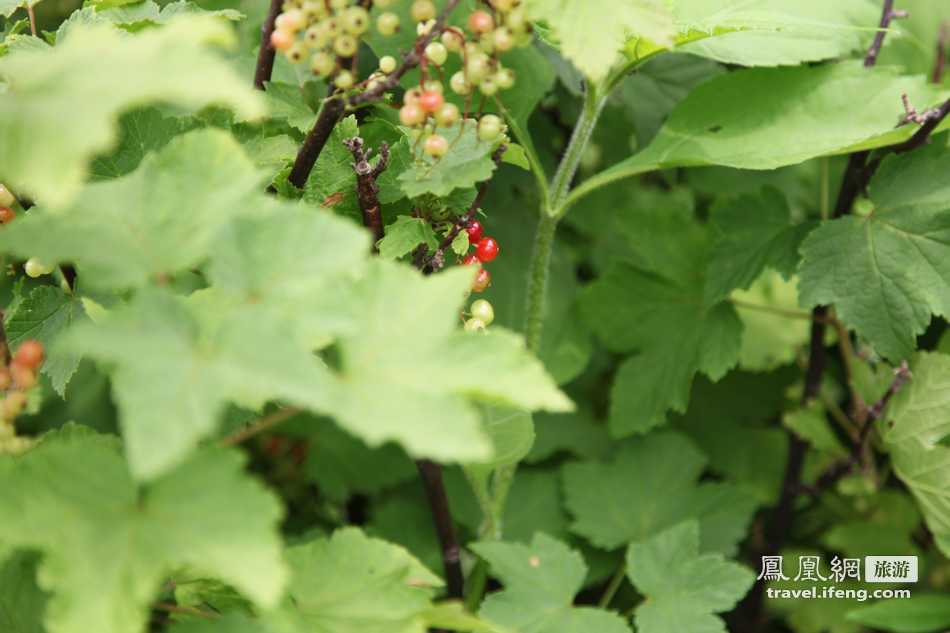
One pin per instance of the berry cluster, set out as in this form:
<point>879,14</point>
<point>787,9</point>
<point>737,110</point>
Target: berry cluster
<point>481,315</point>
<point>15,380</point>
<point>6,205</point>
<point>329,31</point>
<point>490,32</point>
<point>486,250</point>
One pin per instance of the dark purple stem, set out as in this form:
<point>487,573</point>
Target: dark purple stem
<point>266,54</point>
<point>431,474</point>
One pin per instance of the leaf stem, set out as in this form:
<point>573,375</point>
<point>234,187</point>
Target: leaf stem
<point>32,16</point>
<point>259,426</point>
<point>613,586</point>
<point>266,54</point>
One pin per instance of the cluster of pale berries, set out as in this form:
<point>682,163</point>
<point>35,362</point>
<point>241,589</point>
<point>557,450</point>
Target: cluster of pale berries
<point>15,380</point>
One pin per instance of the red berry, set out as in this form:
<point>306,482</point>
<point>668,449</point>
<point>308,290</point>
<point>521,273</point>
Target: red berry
<point>29,354</point>
<point>431,101</point>
<point>23,377</point>
<point>474,230</point>
<point>6,215</point>
<point>482,281</point>
<point>470,260</point>
<point>486,250</point>
<point>480,22</point>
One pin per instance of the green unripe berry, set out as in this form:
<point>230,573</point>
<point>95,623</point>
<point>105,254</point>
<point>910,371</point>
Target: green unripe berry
<point>344,80</point>
<point>503,39</point>
<point>517,21</point>
<point>477,68</point>
<point>488,87</point>
<point>474,325</point>
<point>505,78</point>
<point>437,53</point>
<point>459,84</point>
<point>483,311</point>
<point>296,52</point>
<point>322,64</point>
<point>448,115</point>
<point>422,10</point>
<point>36,268</point>
<point>387,23</point>
<point>452,41</point>
<point>356,20</point>
<point>292,21</point>
<point>387,64</point>
<point>436,146</point>
<point>489,128</point>
<point>345,45</point>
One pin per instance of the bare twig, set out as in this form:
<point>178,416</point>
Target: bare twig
<point>846,465</point>
<point>367,191</point>
<point>266,54</point>
<point>933,119</point>
<point>259,426</point>
<point>940,62</point>
<point>888,14</point>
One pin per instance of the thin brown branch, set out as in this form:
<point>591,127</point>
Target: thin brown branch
<point>32,16</point>
<point>330,114</point>
<point>367,191</point>
<point>933,119</point>
<point>266,54</point>
<point>431,474</point>
<point>259,426</point>
<point>888,14</point>
<point>940,62</point>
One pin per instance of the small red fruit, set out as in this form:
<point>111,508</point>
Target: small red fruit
<point>480,22</point>
<point>431,101</point>
<point>475,231</point>
<point>29,354</point>
<point>486,250</point>
<point>482,281</point>
<point>6,215</point>
<point>23,377</point>
<point>470,260</point>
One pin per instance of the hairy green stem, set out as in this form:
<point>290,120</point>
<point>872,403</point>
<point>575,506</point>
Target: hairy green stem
<point>538,272</point>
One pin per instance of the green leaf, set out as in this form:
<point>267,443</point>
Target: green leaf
<point>97,584</point>
<point>677,334</point>
<point>404,235</point>
<point>592,35</point>
<point>511,432</point>
<point>773,327</point>
<point>141,132</point>
<point>540,581</point>
<point>772,32</point>
<point>43,315</point>
<point>683,588</point>
<point>788,115</point>
<point>750,234</point>
<point>157,221</point>
<point>332,182</point>
<point>94,76</point>
<point>916,438</point>
<point>918,614</point>
<point>7,7</point>
<point>177,363</point>
<point>649,486</point>
<point>914,179</point>
<point>411,379</point>
<point>883,272</point>
<point>22,602</point>
<point>268,263</point>
<point>468,163</point>
<point>287,103</point>
<point>333,577</point>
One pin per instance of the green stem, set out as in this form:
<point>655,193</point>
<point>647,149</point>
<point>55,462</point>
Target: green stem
<point>538,280</point>
<point>561,184</point>
<point>613,586</point>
